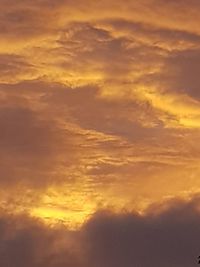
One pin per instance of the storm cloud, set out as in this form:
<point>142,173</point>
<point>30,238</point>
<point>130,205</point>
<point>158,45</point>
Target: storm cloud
<point>167,235</point>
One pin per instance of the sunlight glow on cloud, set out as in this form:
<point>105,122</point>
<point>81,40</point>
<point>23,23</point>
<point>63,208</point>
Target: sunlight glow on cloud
<point>99,106</point>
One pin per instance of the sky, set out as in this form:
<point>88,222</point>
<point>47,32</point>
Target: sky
<point>99,133</point>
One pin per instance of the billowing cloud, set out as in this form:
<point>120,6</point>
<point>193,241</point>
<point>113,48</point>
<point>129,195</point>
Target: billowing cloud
<point>166,235</point>
<point>27,242</point>
<point>99,110</point>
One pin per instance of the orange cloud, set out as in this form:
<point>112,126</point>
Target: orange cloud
<point>99,105</point>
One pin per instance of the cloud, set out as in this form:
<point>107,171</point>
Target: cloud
<point>27,242</point>
<point>99,105</point>
<point>23,19</point>
<point>126,119</point>
<point>153,35</point>
<point>34,144</point>
<point>167,235</point>
<point>28,144</point>
<point>180,72</point>
<point>73,145</point>
<point>14,68</point>
<point>167,238</point>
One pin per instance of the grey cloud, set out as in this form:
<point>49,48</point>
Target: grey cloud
<point>182,71</point>
<point>22,20</point>
<point>26,242</point>
<point>94,47</point>
<point>12,66</point>
<point>168,235</point>
<point>25,145</point>
<point>158,35</point>
<point>179,73</point>
<point>169,238</point>
<point>23,132</point>
<point>137,168</point>
<point>118,118</point>
<point>32,146</point>
<point>35,145</point>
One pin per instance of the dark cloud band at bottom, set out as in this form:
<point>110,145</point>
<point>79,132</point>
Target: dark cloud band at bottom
<point>166,238</point>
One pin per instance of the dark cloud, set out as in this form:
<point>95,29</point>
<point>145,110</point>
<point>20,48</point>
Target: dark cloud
<point>168,235</point>
<point>25,145</point>
<point>24,19</point>
<point>13,66</point>
<point>166,238</point>
<point>179,73</point>
<point>85,46</point>
<point>23,132</point>
<point>32,147</point>
<point>25,242</point>
<point>171,39</point>
<point>120,118</point>
<point>182,74</point>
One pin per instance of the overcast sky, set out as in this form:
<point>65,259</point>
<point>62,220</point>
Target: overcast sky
<point>99,133</point>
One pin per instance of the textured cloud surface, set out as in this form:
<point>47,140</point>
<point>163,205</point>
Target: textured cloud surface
<point>99,110</point>
<point>167,236</point>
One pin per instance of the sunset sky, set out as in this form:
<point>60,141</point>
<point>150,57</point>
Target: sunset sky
<point>99,133</point>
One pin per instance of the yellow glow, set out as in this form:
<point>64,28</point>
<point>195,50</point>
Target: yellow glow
<point>185,109</point>
<point>87,122</point>
<point>52,216</point>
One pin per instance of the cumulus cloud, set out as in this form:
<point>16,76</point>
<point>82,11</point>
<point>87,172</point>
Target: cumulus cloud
<point>167,238</point>
<point>166,235</point>
<point>27,242</point>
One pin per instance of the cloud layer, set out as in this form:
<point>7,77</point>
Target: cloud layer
<point>99,110</point>
<point>167,235</point>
